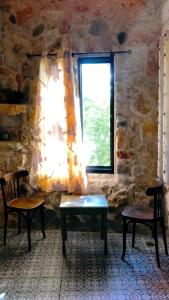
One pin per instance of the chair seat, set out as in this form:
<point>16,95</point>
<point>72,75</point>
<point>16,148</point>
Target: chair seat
<point>25,203</point>
<point>138,212</point>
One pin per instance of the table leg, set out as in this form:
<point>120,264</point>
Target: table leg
<point>102,224</point>
<point>65,227</point>
<point>63,232</point>
<point>104,216</point>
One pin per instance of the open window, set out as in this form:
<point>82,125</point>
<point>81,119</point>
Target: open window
<point>96,79</point>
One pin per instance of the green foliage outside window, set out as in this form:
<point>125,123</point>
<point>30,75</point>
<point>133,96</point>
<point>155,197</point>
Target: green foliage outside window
<point>96,131</point>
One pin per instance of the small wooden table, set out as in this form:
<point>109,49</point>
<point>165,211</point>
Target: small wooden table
<point>84,205</point>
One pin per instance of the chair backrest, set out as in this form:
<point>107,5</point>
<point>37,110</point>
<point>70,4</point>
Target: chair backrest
<point>156,190</point>
<point>10,185</point>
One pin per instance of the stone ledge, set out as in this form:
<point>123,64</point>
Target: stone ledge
<point>13,109</point>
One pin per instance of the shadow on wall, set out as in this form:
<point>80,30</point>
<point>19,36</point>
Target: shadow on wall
<point>120,194</point>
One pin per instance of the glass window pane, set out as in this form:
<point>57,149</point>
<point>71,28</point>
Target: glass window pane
<point>96,112</point>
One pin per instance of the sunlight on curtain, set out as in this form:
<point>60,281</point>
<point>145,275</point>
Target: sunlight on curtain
<point>57,155</point>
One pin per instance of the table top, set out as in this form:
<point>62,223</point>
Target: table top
<point>95,201</point>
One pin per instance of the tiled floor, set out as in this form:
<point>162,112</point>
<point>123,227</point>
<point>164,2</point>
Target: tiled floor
<point>85,273</point>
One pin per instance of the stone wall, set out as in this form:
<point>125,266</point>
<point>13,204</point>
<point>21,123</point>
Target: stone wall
<point>28,26</point>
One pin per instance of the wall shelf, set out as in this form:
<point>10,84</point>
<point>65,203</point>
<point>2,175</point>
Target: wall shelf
<point>15,143</point>
<point>13,109</point>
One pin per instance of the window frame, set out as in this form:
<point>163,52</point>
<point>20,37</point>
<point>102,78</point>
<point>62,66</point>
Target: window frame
<point>97,60</point>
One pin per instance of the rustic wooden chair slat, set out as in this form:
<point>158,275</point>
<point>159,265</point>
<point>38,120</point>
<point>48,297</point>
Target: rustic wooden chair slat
<point>147,216</point>
<point>23,206</point>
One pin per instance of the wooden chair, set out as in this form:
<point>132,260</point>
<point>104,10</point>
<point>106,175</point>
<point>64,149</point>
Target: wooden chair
<point>148,216</point>
<point>24,206</point>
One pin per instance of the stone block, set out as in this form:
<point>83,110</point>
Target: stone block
<point>123,168</point>
<point>38,30</point>
<point>98,27</point>
<point>152,64</point>
<point>149,128</point>
<point>141,106</point>
<point>121,139</point>
<point>119,195</point>
<point>24,15</point>
<point>122,124</point>
<point>125,154</point>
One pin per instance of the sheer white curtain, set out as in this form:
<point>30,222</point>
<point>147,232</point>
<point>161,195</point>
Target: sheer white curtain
<point>57,162</point>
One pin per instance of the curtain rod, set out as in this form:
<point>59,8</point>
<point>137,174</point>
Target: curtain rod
<point>109,52</point>
<point>29,55</point>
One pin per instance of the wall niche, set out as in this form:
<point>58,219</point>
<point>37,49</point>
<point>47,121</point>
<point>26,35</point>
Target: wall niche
<point>11,120</point>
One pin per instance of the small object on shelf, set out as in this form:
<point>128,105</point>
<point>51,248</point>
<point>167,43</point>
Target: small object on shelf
<point>12,97</point>
<point>4,95</point>
<point>17,97</point>
<point>5,136</point>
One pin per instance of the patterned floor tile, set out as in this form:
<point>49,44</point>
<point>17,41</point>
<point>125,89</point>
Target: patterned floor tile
<point>114,295</point>
<point>32,296</point>
<point>85,272</point>
<point>30,284</point>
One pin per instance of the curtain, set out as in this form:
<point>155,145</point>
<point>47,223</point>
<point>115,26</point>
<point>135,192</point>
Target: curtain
<point>57,153</point>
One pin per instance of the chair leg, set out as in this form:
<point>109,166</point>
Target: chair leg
<point>124,238</point>
<point>133,234</point>
<point>29,230</point>
<point>102,222</point>
<point>65,224</point>
<point>19,222</point>
<point>164,235</point>
<point>5,226</point>
<point>63,232</point>
<point>104,229</point>
<point>156,245</point>
<point>42,221</point>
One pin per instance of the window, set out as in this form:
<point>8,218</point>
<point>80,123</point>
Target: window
<point>96,78</point>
